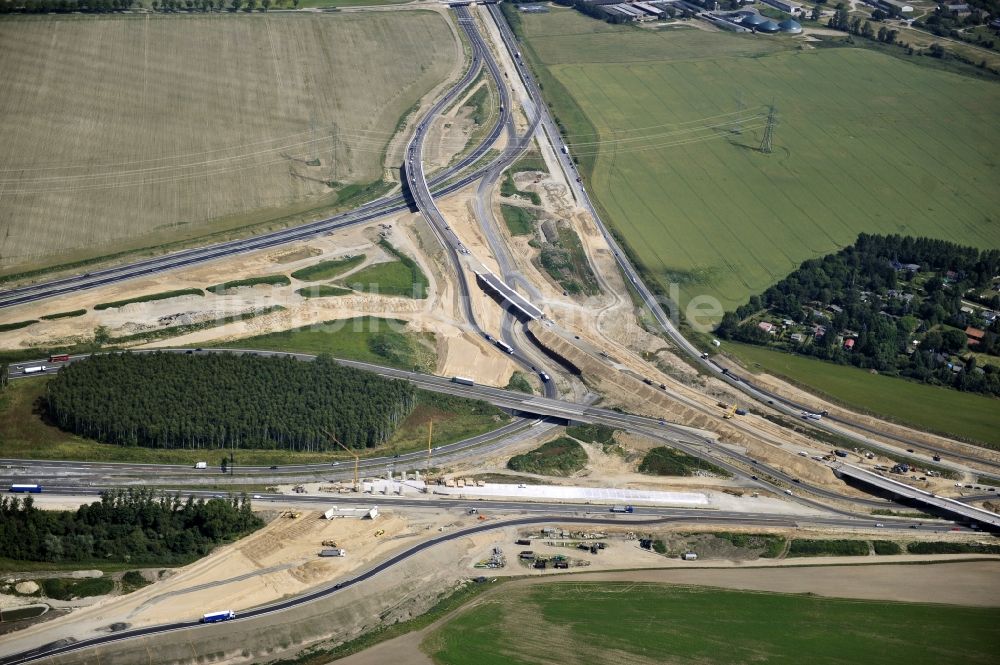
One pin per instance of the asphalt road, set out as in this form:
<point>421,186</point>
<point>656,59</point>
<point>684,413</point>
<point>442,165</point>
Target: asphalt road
<point>550,132</point>
<point>667,517</point>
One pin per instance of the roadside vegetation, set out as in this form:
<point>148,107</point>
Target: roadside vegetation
<point>17,325</point>
<point>560,457</point>
<point>150,298</point>
<point>664,461</point>
<point>520,221</point>
<point>952,413</point>
<point>592,433</point>
<point>945,547</point>
<point>64,315</point>
<point>402,277</point>
<point>64,588</point>
<point>509,189</point>
<point>128,525</point>
<point>328,269</point>
<point>771,546</point>
<point>597,622</point>
<point>519,382</point>
<point>806,547</point>
<point>565,260</point>
<point>323,291</point>
<point>270,280</point>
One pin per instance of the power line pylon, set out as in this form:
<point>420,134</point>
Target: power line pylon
<point>738,127</point>
<point>766,143</point>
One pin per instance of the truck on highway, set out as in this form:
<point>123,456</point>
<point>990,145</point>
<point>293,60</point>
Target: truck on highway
<point>35,369</point>
<point>565,149</point>
<point>544,377</point>
<point>622,509</point>
<point>504,346</point>
<point>201,465</point>
<point>462,381</point>
<point>60,358</point>
<point>215,617</point>
<point>29,489</point>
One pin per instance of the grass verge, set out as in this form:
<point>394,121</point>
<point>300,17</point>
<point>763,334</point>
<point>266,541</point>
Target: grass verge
<point>806,547</point>
<point>273,280</point>
<point>559,457</point>
<point>402,277</point>
<point>150,298</point>
<point>64,315</point>
<point>663,461</point>
<point>4,327</point>
<point>323,291</point>
<point>520,221</point>
<point>974,418</point>
<point>328,269</point>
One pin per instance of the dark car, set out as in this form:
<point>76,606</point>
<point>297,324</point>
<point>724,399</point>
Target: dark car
<point>275,466</point>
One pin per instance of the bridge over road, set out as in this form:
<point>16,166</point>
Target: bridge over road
<point>936,504</point>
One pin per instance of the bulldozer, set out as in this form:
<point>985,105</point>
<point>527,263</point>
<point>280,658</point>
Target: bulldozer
<point>329,543</point>
<point>380,532</point>
<point>291,514</point>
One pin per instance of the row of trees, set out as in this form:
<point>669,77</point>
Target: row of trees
<point>126,526</point>
<point>842,20</point>
<point>861,289</point>
<point>218,401</point>
<point>106,6</point>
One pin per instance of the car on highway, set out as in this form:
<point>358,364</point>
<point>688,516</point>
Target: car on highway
<point>273,467</point>
<point>879,525</point>
<point>257,496</point>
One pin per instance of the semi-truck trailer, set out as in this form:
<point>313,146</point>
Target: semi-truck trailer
<point>35,369</point>
<point>31,489</point>
<point>622,509</point>
<point>215,617</point>
<point>504,346</point>
<point>461,380</point>
<point>201,465</point>
<point>61,358</point>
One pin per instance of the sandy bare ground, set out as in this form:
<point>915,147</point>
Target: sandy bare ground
<point>967,583</point>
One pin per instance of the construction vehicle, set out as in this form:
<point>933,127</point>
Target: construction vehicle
<point>730,413</point>
<point>380,532</point>
<point>329,543</point>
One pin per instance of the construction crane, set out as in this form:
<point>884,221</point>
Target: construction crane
<point>357,459</point>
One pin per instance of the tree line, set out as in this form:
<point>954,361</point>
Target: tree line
<point>866,289</point>
<point>224,400</point>
<point>131,525</point>
<point>109,6</point>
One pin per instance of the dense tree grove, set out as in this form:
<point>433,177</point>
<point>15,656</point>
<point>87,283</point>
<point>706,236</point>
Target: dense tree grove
<point>222,400</point>
<point>127,526</point>
<point>867,293</point>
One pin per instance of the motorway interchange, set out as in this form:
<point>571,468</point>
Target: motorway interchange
<point>533,415</point>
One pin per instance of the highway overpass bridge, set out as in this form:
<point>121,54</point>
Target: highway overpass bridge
<point>930,502</point>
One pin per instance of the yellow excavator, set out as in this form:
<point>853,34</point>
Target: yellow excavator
<point>730,412</point>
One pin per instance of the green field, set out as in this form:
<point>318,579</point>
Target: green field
<point>328,269</point>
<point>402,277</point>
<point>520,221</point>
<point>863,143</point>
<point>368,339</point>
<point>646,624</point>
<point>950,412</point>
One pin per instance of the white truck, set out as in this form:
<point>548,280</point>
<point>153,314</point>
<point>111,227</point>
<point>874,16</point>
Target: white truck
<point>33,370</point>
<point>201,465</point>
<point>215,617</point>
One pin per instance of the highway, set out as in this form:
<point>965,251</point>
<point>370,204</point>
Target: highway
<point>666,516</point>
<point>692,441</point>
<point>548,131</point>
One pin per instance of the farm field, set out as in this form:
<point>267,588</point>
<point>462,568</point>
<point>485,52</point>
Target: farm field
<point>611,623</point>
<point>125,132</point>
<point>950,412</point>
<point>859,146</point>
